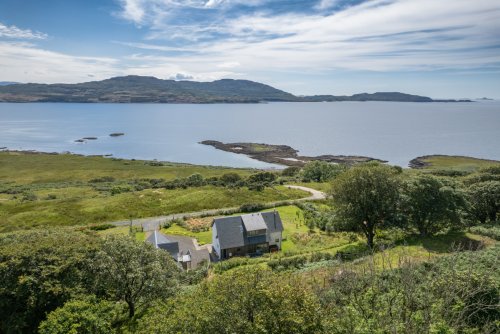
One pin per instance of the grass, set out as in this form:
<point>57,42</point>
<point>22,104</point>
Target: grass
<point>296,236</point>
<point>260,148</point>
<point>27,168</point>
<point>203,238</point>
<point>64,196</point>
<point>90,207</point>
<point>122,231</point>
<point>458,163</point>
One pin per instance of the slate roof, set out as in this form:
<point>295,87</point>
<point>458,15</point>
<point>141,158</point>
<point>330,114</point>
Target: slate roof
<point>254,222</point>
<point>186,246</point>
<point>232,233</point>
<point>159,240</point>
<point>273,221</point>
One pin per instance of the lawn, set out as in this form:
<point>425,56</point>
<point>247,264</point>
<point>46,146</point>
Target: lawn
<point>203,238</point>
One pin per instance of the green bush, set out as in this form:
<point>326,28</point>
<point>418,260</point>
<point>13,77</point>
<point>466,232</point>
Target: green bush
<point>321,171</point>
<point>252,207</point>
<point>488,231</point>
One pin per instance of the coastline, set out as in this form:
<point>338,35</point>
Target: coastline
<point>298,161</point>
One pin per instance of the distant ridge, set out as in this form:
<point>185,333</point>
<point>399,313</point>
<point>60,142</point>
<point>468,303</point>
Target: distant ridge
<point>142,89</point>
<point>5,83</point>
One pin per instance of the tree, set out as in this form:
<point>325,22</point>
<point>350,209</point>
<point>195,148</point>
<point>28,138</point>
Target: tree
<point>366,196</point>
<point>484,200</point>
<point>321,171</point>
<point>40,271</point>
<point>133,272</point>
<point>82,316</point>
<point>430,204</point>
<point>245,300</point>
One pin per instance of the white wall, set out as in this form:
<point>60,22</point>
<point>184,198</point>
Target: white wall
<point>215,241</point>
<point>272,239</point>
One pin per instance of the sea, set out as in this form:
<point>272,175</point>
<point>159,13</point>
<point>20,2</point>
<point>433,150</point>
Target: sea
<point>392,131</point>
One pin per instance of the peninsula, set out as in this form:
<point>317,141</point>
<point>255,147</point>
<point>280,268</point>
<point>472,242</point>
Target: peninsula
<point>282,154</point>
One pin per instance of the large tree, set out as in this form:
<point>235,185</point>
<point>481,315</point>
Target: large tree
<point>484,200</point>
<point>430,204</point>
<point>366,196</point>
<point>40,271</point>
<point>133,272</point>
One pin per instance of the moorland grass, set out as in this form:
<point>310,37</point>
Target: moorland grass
<point>54,190</point>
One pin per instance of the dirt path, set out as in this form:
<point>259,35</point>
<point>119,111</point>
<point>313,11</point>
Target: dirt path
<point>152,223</point>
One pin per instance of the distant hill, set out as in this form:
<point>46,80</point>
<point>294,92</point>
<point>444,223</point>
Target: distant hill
<point>5,83</point>
<point>136,89</point>
<point>141,89</point>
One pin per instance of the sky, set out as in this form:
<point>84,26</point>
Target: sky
<point>436,48</point>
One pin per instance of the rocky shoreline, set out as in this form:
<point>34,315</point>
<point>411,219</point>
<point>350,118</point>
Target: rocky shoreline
<point>283,154</point>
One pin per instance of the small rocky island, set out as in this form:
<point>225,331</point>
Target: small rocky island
<point>282,154</point>
<point>116,134</point>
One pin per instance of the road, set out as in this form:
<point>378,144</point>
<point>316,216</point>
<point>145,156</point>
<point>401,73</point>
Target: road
<point>152,223</point>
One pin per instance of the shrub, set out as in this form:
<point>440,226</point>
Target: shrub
<point>101,227</point>
<point>321,171</point>
<point>230,179</point>
<point>103,179</point>
<point>290,171</point>
<point>487,231</point>
<point>252,207</point>
<point>29,197</point>
<point>195,180</point>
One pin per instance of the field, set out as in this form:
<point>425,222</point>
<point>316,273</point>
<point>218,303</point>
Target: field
<point>26,168</point>
<point>55,190</point>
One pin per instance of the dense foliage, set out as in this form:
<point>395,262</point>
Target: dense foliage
<point>366,197</point>
<point>42,270</point>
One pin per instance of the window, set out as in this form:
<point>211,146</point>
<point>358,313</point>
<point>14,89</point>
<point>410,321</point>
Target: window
<point>277,240</point>
<point>256,232</point>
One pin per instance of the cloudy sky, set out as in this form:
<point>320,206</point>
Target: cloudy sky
<point>438,48</point>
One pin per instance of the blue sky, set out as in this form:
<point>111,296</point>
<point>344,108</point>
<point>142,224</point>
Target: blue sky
<point>442,49</point>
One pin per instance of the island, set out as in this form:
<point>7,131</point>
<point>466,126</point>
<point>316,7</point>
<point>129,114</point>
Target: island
<point>283,154</point>
<point>142,89</point>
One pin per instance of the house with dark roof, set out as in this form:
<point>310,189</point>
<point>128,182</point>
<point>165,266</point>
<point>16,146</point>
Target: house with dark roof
<point>250,234</point>
<point>182,249</point>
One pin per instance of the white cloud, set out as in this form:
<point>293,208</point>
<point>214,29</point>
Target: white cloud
<point>133,10</point>
<point>378,35</point>
<point>229,64</point>
<point>25,62</point>
<point>18,33</point>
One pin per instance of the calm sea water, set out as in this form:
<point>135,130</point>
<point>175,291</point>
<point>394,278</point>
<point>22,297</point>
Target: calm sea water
<point>397,132</point>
